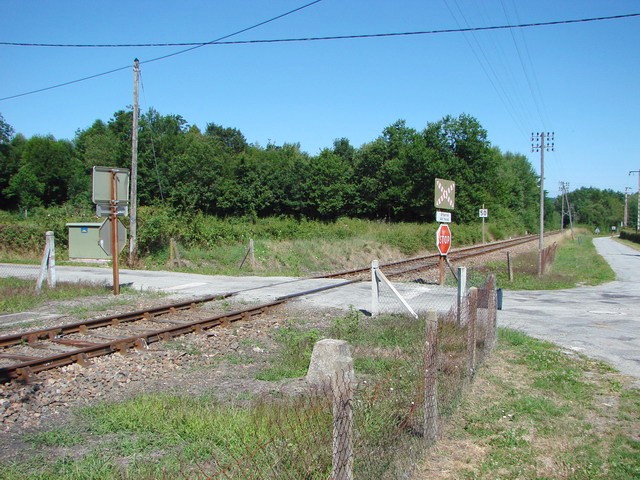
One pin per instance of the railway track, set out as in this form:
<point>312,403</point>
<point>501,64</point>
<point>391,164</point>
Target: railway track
<point>409,265</point>
<point>21,354</point>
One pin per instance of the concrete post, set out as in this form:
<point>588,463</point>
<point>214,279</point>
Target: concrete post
<point>331,363</point>
<point>48,263</point>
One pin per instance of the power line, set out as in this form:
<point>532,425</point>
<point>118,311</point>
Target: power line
<point>219,41</point>
<point>168,55</point>
<point>311,39</point>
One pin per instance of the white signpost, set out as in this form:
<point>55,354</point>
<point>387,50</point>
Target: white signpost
<point>443,217</point>
<point>483,213</point>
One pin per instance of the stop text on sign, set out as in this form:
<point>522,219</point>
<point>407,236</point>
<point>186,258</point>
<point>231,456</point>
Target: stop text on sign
<point>443,239</point>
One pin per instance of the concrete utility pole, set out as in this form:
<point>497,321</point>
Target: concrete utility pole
<point>133,213</point>
<point>638,219</point>
<point>562,214</point>
<point>565,198</point>
<point>625,221</point>
<point>538,145</point>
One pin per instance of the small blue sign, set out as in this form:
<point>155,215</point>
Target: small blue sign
<point>84,229</point>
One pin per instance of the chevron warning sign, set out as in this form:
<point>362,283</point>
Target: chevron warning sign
<point>445,194</point>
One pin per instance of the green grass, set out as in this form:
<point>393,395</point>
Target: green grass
<point>536,412</point>
<point>18,295</point>
<point>161,436</point>
<point>576,263</point>
<point>292,359</point>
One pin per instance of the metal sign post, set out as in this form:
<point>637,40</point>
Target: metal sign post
<point>444,197</point>
<point>483,213</point>
<point>111,188</point>
<point>443,242</point>
<point>114,233</point>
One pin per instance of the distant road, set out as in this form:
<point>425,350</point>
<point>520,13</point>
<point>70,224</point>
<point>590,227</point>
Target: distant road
<point>602,322</point>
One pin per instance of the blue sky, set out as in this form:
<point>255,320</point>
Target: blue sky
<point>578,80</point>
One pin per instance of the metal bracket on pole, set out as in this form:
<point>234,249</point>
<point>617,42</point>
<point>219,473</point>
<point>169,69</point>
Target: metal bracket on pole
<point>375,290</point>
<point>377,275</point>
<point>446,259</point>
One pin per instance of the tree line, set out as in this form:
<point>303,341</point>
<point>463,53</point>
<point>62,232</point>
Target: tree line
<point>217,172</point>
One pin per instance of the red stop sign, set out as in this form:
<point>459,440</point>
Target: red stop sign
<point>443,239</point>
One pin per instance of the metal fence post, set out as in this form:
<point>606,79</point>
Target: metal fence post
<point>492,313</point>
<point>375,291</point>
<point>462,290</point>
<point>472,310</point>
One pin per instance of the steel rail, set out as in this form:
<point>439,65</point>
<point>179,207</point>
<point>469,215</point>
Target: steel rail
<point>459,253</point>
<point>111,320</point>
<point>24,370</point>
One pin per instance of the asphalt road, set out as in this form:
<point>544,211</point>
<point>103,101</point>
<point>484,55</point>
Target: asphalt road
<point>601,322</point>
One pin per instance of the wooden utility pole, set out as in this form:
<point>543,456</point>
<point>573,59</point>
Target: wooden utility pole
<point>538,145</point>
<point>133,207</point>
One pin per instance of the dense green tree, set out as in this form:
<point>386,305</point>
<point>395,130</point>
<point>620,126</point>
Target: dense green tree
<point>9,161</point>
<point>46,165</point>
<point>466,157</point>
<point>595,207</point>
<point>195,175</point>
<point>217,172</point>
<point>231,139</point>
<point>161,141</point>
<point>6,131</point>
<point>327,186</point>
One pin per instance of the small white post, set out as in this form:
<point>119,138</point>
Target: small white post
<point>375,292</point>
<point>48,263</point>
<point>462,290</point>
<point>51,266</point>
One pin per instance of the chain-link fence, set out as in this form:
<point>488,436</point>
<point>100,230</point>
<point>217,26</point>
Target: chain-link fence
<point>409,374</point>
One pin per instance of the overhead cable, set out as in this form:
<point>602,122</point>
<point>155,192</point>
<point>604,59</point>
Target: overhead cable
<point>166,56</point>
<point>219,41</point>
<point>311,39</point>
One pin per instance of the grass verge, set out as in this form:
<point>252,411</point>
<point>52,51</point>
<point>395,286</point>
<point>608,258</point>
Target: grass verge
<point>537,412</point>
<point>577,263</point>
<point>17,295</point>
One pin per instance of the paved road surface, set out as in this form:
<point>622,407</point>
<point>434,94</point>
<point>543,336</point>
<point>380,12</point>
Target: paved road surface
<point>251,289</point>
<point>602,322</point>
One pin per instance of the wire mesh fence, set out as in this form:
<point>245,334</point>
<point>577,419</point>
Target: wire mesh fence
<point>409,375</point>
